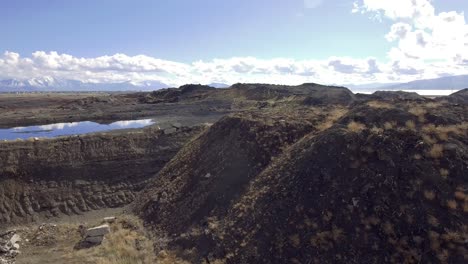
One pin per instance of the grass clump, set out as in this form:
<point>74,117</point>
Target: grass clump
<point>356,127</point>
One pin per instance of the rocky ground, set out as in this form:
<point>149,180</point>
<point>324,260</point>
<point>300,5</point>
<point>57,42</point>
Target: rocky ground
<point>250,174</point>
<point>116,239</point>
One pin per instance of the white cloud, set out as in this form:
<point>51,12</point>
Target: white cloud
<point>121,68</point>
<point>420,33</point>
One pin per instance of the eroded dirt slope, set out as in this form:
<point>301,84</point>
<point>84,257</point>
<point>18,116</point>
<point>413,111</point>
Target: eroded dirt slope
<point>51,177</point>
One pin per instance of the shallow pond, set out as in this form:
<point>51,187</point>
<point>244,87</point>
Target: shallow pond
<point>66,129</point>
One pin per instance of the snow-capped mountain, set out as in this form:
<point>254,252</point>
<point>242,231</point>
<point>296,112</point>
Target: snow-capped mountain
<point>54,84</point>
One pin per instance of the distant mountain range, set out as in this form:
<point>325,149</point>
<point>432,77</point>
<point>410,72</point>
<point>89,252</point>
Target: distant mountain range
<point>444,83</point>
<point>54,84</point>
<point>219,85</point>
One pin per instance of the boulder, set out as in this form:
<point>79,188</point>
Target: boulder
<point>94,239</point>
<point>4,249</point>
<point>98,231</point>
<point>15,239</point>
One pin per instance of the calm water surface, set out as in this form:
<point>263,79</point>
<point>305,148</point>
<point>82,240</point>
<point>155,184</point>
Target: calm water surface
<point>66,129</point>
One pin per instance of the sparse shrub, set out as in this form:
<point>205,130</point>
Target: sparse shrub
<point>460,195</point>
<point>169,257</point>
<point>452,204</point>
<point>356,127</point>
<point>376,130</point>
<point>436,151</point>
<point>433,221</point>
<point>419,112</point>
<point>379,105</point>
<point>430,195</point>
<point>410,125</point>
<point>389,125</point>
<point>444,173</point>
<point>428,139</point>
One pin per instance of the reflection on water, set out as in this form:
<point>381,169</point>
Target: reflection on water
<point>73,128</point>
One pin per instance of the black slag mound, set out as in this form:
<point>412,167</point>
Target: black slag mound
<point>356,193</point>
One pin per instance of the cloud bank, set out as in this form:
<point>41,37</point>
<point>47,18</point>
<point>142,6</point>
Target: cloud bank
<point>426,44</point>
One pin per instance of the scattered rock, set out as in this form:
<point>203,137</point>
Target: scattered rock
<point>95,239</point>
<point>9,247</point>
<point>98,231</point>
<point>94,236</point>
<point>15,239</point>
<point>110,219</point>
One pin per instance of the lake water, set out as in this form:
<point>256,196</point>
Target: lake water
<point>67,129</point>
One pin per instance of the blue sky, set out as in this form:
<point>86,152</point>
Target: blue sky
<point>188,30</point>
<point>179,41</point>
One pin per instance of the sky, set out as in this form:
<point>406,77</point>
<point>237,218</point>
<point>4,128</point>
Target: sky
<point>208,41</point>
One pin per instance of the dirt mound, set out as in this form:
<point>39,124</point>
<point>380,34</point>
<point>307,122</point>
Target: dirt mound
<point>213,169</point>
<point>172,95</point>
<point>396,95</point>
<point>386,183</point>
<point>460,97</point>
<point>354,194</point>
<point>308,94</point>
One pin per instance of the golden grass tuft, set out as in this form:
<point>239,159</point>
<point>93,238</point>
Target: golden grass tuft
<point>419,112</point>
<point>169,257</point>
<point>459,195</point>
<point>436,151</point>
<point>376,130</point>
<point>429,195</point>
<point>444,173</point>
<point>379,105</point>
<point>390,125</point>
<point>452,204</point>
<point>433,221</point>
<point>410,125</point>
<point>356,127</point>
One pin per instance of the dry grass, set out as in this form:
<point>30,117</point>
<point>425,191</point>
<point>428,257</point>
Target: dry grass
<point>430,195</point>
<point>169,257</point>
<point>432,221</point>
<point>376,130</point>
<point>126,244</point>
<point>379,105</point>
<point>331,118</point>
<point>410,125</point>
<point>443,132</point>
<point>356,127</point>
<point>436,151</point>
<point>459,195</point>
<point>444,173</point>
<point>419,112</point>
<point>452,204</point>
<point>389,125</point>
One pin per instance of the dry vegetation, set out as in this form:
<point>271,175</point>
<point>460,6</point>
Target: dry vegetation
<point>126,244</point>
<point>356,127</point>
